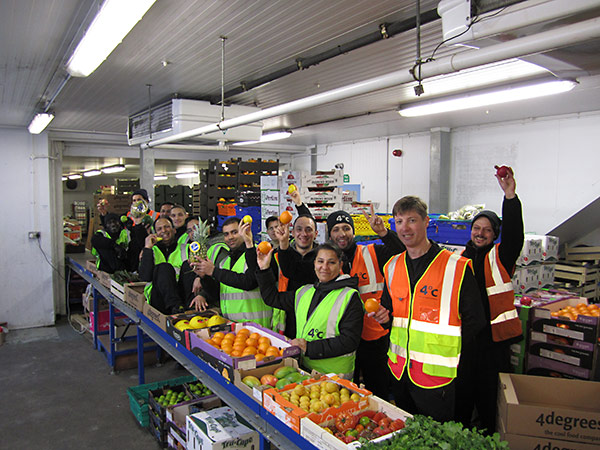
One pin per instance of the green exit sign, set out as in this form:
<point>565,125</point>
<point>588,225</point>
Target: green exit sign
<point>346,178</point>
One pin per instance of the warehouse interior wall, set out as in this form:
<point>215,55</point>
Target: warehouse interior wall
<point>556,163</point>
<point>27,279</point>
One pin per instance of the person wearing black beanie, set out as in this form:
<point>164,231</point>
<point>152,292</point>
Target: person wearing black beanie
<point>487,355</point>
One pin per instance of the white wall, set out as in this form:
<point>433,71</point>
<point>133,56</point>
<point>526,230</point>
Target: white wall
<point>556,164</point>
<point>25,276</point>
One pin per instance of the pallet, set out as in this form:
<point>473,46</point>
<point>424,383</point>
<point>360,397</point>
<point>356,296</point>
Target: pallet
<point>577,272</point>
<point>590,254</point>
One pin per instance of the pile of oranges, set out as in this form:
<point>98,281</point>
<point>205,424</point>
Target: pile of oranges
<point>571,312</point>
<point>244,343</point>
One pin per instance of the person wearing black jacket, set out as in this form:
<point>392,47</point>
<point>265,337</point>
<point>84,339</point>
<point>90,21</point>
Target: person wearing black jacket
<point>160,263</point>
<point>479,368</point>
<point>322,352</point>
<point>111,245</point>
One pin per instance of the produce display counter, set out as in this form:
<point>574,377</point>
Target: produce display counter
<point>270,427</point>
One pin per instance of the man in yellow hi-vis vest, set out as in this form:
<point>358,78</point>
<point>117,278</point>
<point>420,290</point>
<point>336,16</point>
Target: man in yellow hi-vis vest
<point>435,308</point>
<point>494,265</point>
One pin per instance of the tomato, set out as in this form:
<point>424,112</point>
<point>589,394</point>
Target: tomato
<point>359,428</point>
<point>381,431</point>
<point>348,439</point>
<point>397,424</point>
<point>345,421</point>
<point>378,416</point>
<point>385,422</point>
<point>364,421</point>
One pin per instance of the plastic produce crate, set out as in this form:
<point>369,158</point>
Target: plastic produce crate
<point>138,396</point>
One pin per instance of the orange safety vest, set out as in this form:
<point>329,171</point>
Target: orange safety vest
<point>504,318</point>
<point>370,285</point>
<point>426,329</point>
<point>282,283</point>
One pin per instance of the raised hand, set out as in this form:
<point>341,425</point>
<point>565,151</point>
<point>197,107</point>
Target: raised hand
<point>264,260</point>
<point>283,236</point>
<point>245,229</point>
<point>376,222</point>
<point>508,184</point>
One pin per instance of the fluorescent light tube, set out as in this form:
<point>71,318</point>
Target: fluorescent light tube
<point>160,177</point>
<point>75,176</point>
<point>268,137</point>
<point>113,169</point>
<point>92,173</point>
<point>495,97</point>
<point>64,178</point>
<point>113,22</point>
<point>186,175</point>
<point>40,122</point>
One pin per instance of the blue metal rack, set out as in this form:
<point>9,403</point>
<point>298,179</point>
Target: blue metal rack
<point>271,429</point>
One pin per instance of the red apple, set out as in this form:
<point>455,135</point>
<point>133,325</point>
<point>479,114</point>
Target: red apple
<point>502,171</point>
<point>269,379</point>
<point>526,301</point>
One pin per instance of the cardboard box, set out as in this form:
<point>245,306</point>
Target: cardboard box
<point>225,364</point>
<point>182,336</point>
<point>292,415</point>
<point>584,328</point>
<point>550,408</point>
<point>176,414</point>
<point>313,431</point>
<point>321,179</point>
<point>104,278</point>
<point>90,266</point>
<point>103,320</point>
<point>566,354</point>
<point>155,316</point>
<point>532,250</point>
<point>219,429</point>
<point>538,365</point>
<point>134,295</point>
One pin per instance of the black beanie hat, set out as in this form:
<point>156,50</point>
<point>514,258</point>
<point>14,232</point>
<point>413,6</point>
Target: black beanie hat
<point>338,217</point>
<point>492,217</point>
<point>142,192</point>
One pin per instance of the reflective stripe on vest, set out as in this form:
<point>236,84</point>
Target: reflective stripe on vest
<point>243,306</point>
<point>159,258</point>
<point>323,323</point>
<point>426,327</point>
<point>504,318</point>
<point>370,285</point>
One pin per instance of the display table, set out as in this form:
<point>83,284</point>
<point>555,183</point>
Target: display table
<point>270,427</point>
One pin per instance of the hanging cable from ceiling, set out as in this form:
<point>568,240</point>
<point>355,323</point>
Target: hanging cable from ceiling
<point>416,70</point>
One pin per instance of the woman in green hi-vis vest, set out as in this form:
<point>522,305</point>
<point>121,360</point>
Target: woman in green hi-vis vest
<point>328,313</point>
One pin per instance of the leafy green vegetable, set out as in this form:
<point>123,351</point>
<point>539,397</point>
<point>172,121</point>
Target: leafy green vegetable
<point>424,433</point>
<point>123,276</point>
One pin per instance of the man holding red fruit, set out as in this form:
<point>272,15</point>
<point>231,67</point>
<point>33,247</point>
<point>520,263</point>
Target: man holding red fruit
<point>493,264</point>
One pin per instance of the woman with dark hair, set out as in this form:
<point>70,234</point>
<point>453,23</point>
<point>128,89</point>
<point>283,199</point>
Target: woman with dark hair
<point>328,313</point>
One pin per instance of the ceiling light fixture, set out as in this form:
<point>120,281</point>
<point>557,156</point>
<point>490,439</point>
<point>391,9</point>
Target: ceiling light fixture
<point>186,175</point>
<point>92,173</point>
<point>493,97</point>
<point>113,169</point>
<point>40,122</point>
<point>113,22</point>
<point>274,136</point>
<point>75,176</point>
<point>64,178</point>
<point>160,177</point>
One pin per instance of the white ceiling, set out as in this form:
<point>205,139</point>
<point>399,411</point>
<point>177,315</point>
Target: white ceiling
<point>263,37</point>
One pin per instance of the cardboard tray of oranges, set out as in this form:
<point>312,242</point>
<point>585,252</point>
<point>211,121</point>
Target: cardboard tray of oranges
<point>344,396</point>
<point>178,324</point>
<point>247,345</point>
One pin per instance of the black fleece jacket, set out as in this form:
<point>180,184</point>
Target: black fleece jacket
<point>351,323</point>
<point>511,243</point>
<point>146,267</point>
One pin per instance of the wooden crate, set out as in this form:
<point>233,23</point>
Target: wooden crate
<point>590,254</point>
<point>576,272</point>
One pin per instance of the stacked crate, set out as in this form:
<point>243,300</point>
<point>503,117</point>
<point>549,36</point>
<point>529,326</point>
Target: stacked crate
<point>536,264</point>
<point>200,196</point>
<point>580,272</point>
<point>80,214</point>
<point>269,201</point>
<point>322,192</point>
<point>127,186</point>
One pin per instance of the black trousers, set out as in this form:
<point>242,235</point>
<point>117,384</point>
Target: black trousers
<point>166,295</point>
<point>437,403</point>
<point>371,363</point>
<point>477,383</point>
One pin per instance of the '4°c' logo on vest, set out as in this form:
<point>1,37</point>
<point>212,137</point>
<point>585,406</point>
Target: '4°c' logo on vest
<point>429,290</point>
<point>316,333</point>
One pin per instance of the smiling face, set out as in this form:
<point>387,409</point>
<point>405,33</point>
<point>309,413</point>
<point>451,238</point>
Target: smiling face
<point>189,228</point>
<point>482,232</point>
<point>232,236</point>
<point>165,230</point>
<point>165,210</point>
<point>342,235</point>
<point>304,233</point>
<point>271,230</point>
<point>327,265</point>
<point>411,228</point>
<point>178,216</point>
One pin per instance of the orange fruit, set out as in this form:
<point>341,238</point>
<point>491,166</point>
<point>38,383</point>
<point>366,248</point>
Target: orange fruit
<point>239,347</point>
<point>264,247</point>
<point>281,351</point>
<point>236,353</point>
<point>272,351</point>
<point>245,331</point>
<point>263,346</point>
<point>231,334</point>
<point>371,305</point>
<point>264,339</point>
<point>209,341</point>
<point>251,342</point>
<point>227,350</point>
<point>250,350</point>
<point>259,356</point>
<point>255,336</point>
<point>219,334</point>
<point>285,217</point>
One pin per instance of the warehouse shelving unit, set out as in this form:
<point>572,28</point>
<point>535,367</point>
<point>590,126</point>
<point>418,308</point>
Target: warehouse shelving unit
<point>271,429</point>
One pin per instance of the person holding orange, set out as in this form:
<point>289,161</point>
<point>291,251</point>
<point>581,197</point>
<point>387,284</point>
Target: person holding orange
<point>328,314</point>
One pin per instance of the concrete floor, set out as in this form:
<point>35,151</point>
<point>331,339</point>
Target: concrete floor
<point>58,393</point>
